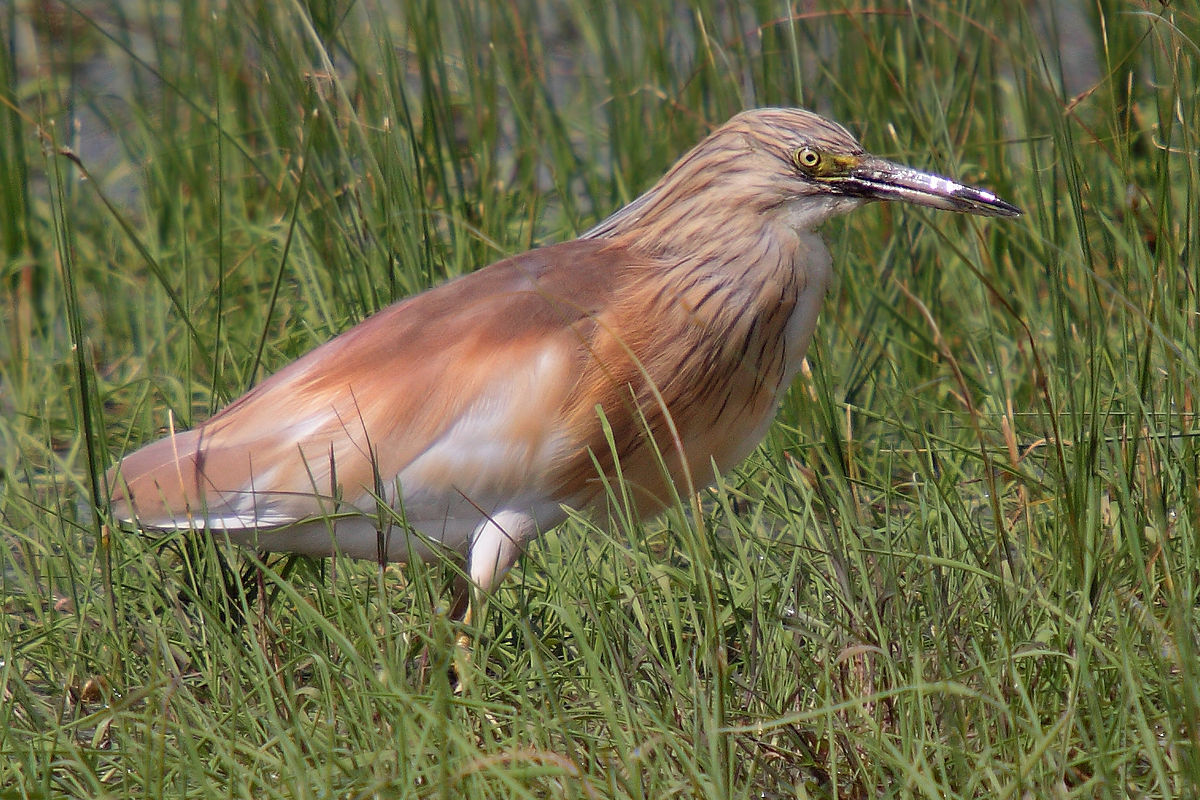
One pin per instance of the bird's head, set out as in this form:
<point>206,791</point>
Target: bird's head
<point>789,166</point>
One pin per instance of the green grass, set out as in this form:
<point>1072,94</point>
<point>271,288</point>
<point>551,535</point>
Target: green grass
<point>964,564</point>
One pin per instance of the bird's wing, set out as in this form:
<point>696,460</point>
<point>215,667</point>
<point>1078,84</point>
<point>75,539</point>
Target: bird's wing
<point>446,399</point>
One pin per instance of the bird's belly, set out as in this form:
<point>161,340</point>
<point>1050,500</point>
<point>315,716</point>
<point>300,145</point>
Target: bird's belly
<point>724,442</point>
<point>430,540</point>
<point>361,536</point>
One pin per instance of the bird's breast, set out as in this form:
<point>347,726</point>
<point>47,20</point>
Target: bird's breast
<point>758,351</point>
<point>695,362</point>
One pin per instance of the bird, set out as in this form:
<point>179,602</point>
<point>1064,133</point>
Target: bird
<point>469,419</point>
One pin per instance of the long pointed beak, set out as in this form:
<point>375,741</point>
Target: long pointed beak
<point>877,179</point>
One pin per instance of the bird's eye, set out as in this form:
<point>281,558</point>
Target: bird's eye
<point>806,158</point>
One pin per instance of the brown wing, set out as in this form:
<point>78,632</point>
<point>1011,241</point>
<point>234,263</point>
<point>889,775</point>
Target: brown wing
<point>448,397</point>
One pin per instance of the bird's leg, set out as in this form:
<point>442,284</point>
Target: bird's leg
<point>460,611</point>
<point>495,547</point>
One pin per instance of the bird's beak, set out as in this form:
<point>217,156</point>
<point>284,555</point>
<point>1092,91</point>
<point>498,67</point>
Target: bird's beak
<point>877,179</point>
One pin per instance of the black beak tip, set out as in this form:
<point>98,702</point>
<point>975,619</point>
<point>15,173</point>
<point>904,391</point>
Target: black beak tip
<point>1002,208</point>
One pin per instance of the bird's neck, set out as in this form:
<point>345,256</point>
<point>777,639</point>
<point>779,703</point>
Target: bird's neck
<point>766,287</point>
<point>740,260</point>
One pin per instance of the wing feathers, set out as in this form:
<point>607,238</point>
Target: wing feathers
<point>448,392</point>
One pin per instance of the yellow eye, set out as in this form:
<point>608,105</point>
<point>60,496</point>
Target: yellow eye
<point>806,158</point>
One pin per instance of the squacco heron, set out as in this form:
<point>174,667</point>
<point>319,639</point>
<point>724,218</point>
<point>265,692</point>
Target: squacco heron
<point>466,420</point>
